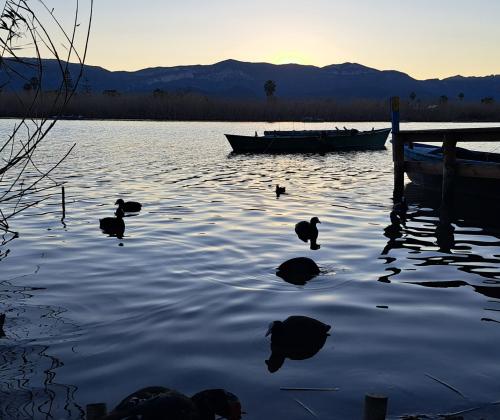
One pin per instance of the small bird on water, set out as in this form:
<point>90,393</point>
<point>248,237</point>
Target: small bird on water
<point>160,403</point>
<point>280,190</point>
<point>114,226</point>
<point>128,206</point>
<point>308,231</point>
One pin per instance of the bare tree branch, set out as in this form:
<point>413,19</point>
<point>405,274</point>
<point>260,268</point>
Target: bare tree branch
<point>29,28</point>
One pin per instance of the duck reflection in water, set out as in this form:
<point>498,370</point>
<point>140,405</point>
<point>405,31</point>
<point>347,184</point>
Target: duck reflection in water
<point>160,403</point>
<point>296,338</point>
<point>113,226</point>
<point>298,271</point>
<point>308,231</point>
<point>393,232</point>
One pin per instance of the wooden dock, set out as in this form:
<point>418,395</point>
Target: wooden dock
<point>449,168</point>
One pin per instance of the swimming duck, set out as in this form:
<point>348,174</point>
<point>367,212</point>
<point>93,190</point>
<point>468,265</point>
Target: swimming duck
<point>308,231</point>
<point>280,190</point>
<point>296,338</point>
<point>114,226</point>
<point>128,206</point>
<point>160,403</point>
<point>298,270</point>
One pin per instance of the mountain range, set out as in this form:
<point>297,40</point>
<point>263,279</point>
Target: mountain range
<point>237,79</point>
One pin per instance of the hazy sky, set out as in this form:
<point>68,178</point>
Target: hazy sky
<point>425,38</point>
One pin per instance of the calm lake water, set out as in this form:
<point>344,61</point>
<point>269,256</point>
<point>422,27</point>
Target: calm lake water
<point>185,298</point>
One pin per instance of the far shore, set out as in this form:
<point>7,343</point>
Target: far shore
<point>166,106</point>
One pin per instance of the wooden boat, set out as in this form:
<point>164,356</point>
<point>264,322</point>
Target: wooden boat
<point>309,141</point>
<point>471,162</point>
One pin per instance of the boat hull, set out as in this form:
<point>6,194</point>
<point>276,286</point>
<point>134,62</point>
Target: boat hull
<point>309,143</point>
<point>476,186</point>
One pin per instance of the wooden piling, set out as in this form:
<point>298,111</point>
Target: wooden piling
<point>375,407</point>
<point>449,173</point>
<point>397,153</point>
<point>63,193</point>
<point>96,411</point>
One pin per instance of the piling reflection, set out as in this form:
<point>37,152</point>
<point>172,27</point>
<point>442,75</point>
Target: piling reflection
<point>28,371</point>
<point>296,338</point>
<point>468,241</point>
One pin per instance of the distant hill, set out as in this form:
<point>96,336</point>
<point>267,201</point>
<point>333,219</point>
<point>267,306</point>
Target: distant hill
<point>236,79</point>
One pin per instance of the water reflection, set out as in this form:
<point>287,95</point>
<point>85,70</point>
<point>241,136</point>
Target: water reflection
<point>296,338</point>
<point>28,386</point>
<point>464,242</point>
<point>6,237</point>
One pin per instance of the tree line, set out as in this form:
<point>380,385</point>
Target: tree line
<point>162,105</point>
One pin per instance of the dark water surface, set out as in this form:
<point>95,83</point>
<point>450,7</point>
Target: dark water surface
<point>185,298</point>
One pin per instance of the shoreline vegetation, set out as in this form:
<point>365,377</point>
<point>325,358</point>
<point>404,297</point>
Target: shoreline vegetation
<point>191,106</point>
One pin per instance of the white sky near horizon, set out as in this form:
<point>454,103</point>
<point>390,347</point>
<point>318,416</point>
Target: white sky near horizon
<point>426,38</point>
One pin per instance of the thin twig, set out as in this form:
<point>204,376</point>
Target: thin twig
<point>446,385</point>
<point>305,407</point>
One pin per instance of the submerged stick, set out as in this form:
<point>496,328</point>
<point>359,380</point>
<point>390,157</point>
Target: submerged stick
<point>469,410</point>
<point>446,385</point>
<point>305,407</point>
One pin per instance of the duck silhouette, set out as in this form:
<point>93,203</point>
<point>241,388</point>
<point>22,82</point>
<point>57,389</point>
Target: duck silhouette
<point>128,206</point>
<point>160,403</point>
<point>296,338</point>
<point>114,226</point>
<point>298,270</point>
<point>308,231</point>
<point>2,322</point>
<point>280,190</point>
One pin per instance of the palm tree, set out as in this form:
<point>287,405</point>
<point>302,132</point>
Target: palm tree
<point>270,88</point>
<point>443,99</point>
<point>461,96</point>
<point>413,95</point>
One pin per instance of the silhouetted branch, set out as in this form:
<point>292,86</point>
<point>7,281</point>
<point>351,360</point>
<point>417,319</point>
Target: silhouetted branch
<point>30,28</point>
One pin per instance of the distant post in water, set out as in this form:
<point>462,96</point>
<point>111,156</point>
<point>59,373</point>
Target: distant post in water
<point>397,153</point>
<point>63,193</point>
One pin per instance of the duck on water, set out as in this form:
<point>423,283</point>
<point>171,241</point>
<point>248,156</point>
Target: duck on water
<point>308,231</point>
<point>129,206</point>
<point>296,338</point>
<point>160,403</point>
<point>114,226</point>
